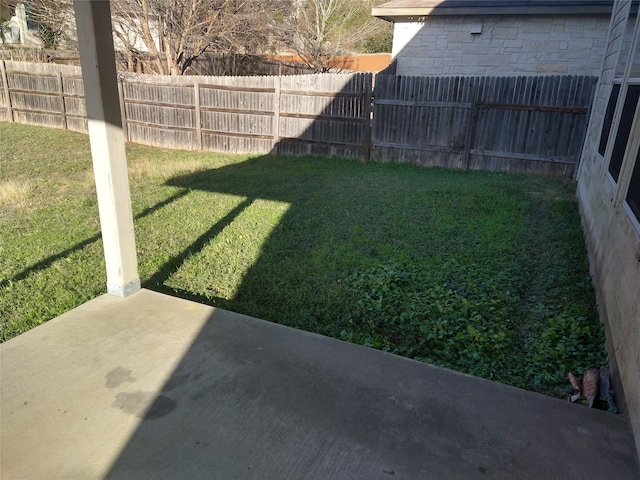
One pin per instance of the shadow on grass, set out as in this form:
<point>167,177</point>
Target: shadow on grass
<point>339,221</point>
<point>158,279</point>
<point>47,262</point>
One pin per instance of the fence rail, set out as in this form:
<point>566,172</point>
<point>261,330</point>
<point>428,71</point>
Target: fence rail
<point>515,124</point>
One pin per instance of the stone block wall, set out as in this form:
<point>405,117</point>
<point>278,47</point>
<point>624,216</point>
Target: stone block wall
<point>506,45</point>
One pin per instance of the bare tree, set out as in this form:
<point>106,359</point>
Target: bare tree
<point>53,21</point>
<point>168,35</point>
<point>318,30</point>
<point>176,32</point>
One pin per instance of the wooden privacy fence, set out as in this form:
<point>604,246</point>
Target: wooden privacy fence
<point>307,114</point>
<point>37,94</point>
<point>515,124</point>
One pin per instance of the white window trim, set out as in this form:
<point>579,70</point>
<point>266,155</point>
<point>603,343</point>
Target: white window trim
<point>628,161</point>
<point>622,97</point>
<point>632,218</point>
<point>604,170</point>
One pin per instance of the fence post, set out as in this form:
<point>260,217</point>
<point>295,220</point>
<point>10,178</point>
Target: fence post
<point>196,97</point>
<point>368,124</point>
<point>471,128</point>
<point>5,84</point>
<point>123,111</point>
<point>63,109</point>
<point>276,114</point>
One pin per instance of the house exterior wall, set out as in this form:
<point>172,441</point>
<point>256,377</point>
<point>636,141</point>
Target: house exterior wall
<point>614,251</point>
<point>613,236</point>
<point>507,45</point>
<point>17,31</point>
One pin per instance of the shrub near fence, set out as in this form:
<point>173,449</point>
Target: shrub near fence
<point>514,124</point>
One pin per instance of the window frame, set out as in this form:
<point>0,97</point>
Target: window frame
<point>615,127</point>
<point>614,140</point>
<point>621,186</point>
<point>616,82</point>
<point>625,80</point>
<point>626,170</point>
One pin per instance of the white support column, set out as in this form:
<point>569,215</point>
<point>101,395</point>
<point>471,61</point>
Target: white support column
<point>95,42</point>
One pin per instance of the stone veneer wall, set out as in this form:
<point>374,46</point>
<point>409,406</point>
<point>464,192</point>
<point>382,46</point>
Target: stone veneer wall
<point>507,45</point>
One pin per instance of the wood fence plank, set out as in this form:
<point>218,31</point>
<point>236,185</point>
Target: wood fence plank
<point>123,111</point>
<point>5,89</point>
<point>198,118</point>
<point>368,115</point>
<point>276,113</point>
<point>470,123</point>
<point>63,112</point>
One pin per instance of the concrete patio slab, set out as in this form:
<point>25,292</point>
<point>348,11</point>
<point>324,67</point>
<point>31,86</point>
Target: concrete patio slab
<point>156,387</point>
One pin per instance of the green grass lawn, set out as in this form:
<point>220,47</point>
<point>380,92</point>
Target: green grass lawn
<point>481,272</point>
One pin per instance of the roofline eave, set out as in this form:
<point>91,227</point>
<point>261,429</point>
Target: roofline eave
<point>408,14</point>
